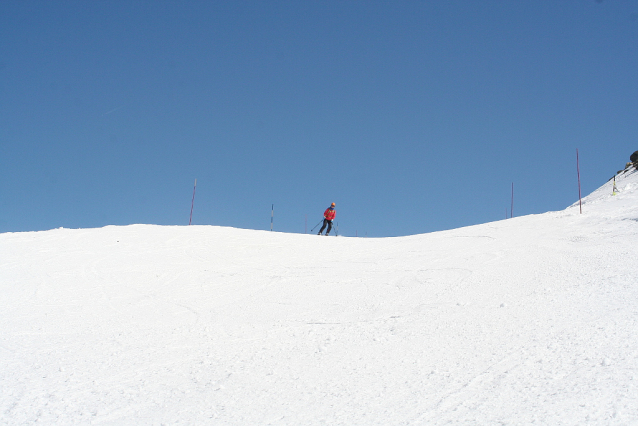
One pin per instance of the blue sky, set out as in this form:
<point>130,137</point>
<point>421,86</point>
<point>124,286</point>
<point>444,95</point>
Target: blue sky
<point>412,116</point>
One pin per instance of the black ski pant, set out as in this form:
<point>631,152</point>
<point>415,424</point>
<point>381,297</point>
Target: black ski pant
<point>326,222</point>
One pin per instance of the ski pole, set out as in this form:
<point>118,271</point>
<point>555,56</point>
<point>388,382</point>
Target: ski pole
<point>316,225</point>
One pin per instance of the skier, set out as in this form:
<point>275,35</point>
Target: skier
<point>328,217</point>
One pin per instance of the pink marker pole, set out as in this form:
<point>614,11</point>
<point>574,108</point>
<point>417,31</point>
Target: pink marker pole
<point>192,203</point>
<point>580,201</point>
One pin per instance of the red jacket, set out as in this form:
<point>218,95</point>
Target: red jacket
<point>330,213</point>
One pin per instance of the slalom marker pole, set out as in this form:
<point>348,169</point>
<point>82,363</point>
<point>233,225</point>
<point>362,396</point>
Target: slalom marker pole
<point>580,201</point>
<point>192,203</point>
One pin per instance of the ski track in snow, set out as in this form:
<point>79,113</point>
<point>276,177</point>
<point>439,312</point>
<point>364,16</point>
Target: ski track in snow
<point>531,320</point>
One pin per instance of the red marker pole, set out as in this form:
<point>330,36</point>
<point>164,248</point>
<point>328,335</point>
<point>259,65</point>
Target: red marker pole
<point>580,201</point>
<point>192,203</point>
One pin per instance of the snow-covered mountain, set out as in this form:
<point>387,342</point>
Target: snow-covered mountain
<point>527,320</point>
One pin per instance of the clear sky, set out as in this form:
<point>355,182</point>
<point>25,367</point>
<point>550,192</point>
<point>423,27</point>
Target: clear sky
<point>412,116</point>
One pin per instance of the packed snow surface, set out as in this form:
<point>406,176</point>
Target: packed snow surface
<point>527,320</point>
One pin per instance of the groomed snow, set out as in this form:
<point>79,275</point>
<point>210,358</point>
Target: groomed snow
<point>522,321</point>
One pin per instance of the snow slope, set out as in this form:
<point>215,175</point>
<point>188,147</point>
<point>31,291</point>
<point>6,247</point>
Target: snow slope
<point>527,320</point>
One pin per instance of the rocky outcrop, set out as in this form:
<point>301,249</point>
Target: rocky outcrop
<point>633,163</point>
